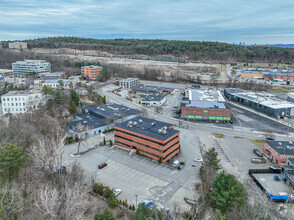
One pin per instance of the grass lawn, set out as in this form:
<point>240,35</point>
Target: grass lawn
<point>218,135</point>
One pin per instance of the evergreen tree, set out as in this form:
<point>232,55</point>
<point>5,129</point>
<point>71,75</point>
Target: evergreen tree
<point>210,159</point>
<point>58,97</point>
<point>104,100</point>
<point>75,98</point>
<point>12,159</point>
<point>104,141</point>
<point>112,200</point>
<point>107,215</point>
<point>143,212</point>
<point>227,190</point>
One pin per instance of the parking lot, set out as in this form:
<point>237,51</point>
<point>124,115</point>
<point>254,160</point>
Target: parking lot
<point>136,175</point>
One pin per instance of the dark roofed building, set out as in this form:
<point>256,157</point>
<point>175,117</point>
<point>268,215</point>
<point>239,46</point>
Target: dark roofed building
<point>155,139</point>
<point>149,90</point>
<point>100,118</point>
<point>279,151</point>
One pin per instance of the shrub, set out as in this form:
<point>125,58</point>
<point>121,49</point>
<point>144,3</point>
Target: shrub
<point>69,140</point>
<point>160,160</point>
<point>110,142</point>
<point>182,163</point>
<point>112,200</point>
<point>108,192</point>
<point>104,141</point>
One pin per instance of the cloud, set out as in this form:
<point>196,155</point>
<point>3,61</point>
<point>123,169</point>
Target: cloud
<point>260,21</point>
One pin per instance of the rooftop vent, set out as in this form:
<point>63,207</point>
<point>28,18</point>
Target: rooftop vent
<point>159,131</point>
<point>290,142</point>
<point>280,144</point>
<point>85,122</point>
<point>164,132</point>
<point>88,116</point>
<point>130,122</point>
<point>134,123</point>
<point>164,128</point>
<point>140,121</point>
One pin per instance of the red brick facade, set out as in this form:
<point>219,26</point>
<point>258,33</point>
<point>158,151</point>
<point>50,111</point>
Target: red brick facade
<point>277,158</point>
<point>186,111</point>
<point>151,147</point>
<point>283,77</point>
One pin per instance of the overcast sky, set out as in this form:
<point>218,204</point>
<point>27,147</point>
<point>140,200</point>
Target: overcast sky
<point>249,21</point>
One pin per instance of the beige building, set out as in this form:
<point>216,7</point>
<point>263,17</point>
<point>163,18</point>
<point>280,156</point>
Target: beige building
<point>18,45</point>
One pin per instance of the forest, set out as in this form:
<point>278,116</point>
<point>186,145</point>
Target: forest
<point>190,50</point>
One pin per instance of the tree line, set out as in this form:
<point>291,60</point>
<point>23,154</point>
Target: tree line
<point>194,50</point>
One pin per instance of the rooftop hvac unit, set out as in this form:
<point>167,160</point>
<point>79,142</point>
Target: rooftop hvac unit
<point>287,147</point>
<point>131,125</point>
<point>280,144</point>
<point>159,131</point>
<point>130,122</point>
<point>88,116</point>
<point>164,132</point>
<point>85,122</point>
<point>152,123</point>
<point>164,128</point>
<point>135,123</point>
<point>140,121</point>
<point>290,142</point>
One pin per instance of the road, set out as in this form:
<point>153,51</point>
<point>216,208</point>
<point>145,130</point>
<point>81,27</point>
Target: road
<point>210,128</point>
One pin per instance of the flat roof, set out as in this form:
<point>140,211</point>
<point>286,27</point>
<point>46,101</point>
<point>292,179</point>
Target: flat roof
<point>155,98</point>
<point>261,98</point>
<point>207,104</point>
<point>291,160</point>
<point>88,120</point>
<point>31,62</point>
<point>206,94</point>
<point>270,72</point>
<point>282,147</point>
<point>147,88</point>
<point>149,127</point>
<point>26,92</point>
<point>92,66</point>
<point>112,110</point>
<point>270,185</point>
<point>128,79</point>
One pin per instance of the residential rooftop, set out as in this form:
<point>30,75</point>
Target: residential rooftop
<point>282,147</point>
<point>149,127</point>
<point>261,98</point>
<point>112,111</point>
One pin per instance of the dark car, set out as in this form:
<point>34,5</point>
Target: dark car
<point>100,166</point>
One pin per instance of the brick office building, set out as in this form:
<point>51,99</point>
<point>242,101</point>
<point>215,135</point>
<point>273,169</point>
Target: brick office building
<point>91,72</point>
<point>205,104</point>
<point>279,151</point>
<point>154,139</point>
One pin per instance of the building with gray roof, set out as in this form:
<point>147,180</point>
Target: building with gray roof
<point>153,100</point>
<point>100,118</point>
<point>263,102</point>
<point>205,104</point>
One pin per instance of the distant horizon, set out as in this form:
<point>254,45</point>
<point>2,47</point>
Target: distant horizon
<point>258,22</point>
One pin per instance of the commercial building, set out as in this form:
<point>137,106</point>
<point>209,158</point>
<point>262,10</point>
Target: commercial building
<point>18,45</point>
<point>0,44</point>
<point>27,67</point>
<point>91,72</point>
<point>148,90</point>
<point>129,83</point>
<point>268,74</point>
<point>262,102</point>
<point>16,102</point>
<point>154,139</point>
<point>100,118</point>
<point>153,100</point>
<point>205,104</point>
<point>279,151</point>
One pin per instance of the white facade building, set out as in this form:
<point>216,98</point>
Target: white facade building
<point>16,102</point>
<point>24,68</point>
<point>55,83</point>
<point>129,83</point>
<point>153,100</point>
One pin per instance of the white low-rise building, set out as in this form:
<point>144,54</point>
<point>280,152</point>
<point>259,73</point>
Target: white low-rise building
<point>129,83</point>
<point>153,100</point>
<point>23,101</point>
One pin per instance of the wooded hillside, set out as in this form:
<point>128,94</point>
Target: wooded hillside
<point>193,50</point>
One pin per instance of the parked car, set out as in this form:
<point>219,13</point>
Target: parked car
<point>276,178</point>
<point>198,160</point>
<point>258,152</point>
<point>258,160</point>
<point>100,166</point>
<point>270,138</point>
<point>176,163</point>
<point>117,192</point>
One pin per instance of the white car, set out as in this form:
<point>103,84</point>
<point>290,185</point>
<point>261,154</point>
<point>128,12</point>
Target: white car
<point>117,192</point>
<point>176,163</point>
<point>198,160</point>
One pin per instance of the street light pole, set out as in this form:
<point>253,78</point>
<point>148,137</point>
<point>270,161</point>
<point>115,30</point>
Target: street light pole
<point>136,199</point>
